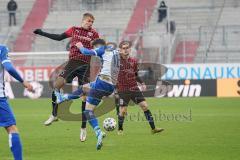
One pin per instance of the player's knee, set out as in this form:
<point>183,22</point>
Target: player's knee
<point>59,83</point>
<point>12,129</point>
<point>84,97</point>
<point>90,106</point>
<point>85,88</point>
<point>143,105</point>
<point>123,111</point>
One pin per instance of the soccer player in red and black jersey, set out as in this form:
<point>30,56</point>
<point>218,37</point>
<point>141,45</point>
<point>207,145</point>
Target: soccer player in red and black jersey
<point>128,89</point>
<point>78,64</point>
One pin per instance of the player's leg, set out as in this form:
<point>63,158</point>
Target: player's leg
<point>75,95</point>
<point>14,142</point>
<point>66,76</point>
<point>83,75</point>
<point>75,68</point>
<point>83,130</point>
<point>93,121</point>
<point>60,97</point>
<point>121,117</point>
<point>53,116</point>
<point>54,105</point>
<point>124,99</point>
<point>98,90</point>
<point>7,120</point>
<point>116,96</point>
<point>139,99</point>
<point>58,84</point>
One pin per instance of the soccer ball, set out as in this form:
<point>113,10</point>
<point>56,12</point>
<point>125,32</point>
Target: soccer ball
<point>109,124</point>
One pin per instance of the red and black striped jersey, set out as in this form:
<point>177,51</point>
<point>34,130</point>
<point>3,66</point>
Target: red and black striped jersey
<point>79,34</point>
<point>127,76</point>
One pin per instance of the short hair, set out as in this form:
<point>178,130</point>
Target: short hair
<point>111,45</point>
<point>129,43</point>
<point>99,41</point>
<point>86,15</point>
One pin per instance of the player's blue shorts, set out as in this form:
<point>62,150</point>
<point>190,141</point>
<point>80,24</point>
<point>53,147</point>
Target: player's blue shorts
<point>6,115</point>
<point>99,89</point>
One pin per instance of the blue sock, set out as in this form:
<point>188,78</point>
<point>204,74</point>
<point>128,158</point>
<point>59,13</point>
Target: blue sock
<point>75,94</point>
<point>92,120</point>
<point>15,146</point>
<point>72,96</point>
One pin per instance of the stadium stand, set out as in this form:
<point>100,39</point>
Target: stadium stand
<point>118,14</point>
<point>206,31</point>
<point>195,24</point>
<point>9,34</point>
<point>34,20</point>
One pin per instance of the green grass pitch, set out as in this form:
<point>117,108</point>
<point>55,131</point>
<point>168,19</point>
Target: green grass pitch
<point>195,129</point>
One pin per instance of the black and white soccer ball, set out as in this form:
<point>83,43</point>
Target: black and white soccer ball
<point>109,124</point>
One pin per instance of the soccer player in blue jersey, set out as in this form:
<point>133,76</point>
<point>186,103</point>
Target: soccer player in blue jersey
<point>7,119</point>
<point>104,84</point>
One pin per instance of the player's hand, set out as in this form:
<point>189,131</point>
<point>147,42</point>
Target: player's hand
<point>37,31</point>
<point>28,86</point>
<point>79,44</point>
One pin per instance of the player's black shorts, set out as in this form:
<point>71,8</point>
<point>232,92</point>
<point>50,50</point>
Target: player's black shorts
<point>136,96</point>
<point>76,68</point>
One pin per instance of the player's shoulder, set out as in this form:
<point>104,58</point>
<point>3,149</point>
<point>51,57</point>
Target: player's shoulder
<point>74,27</point>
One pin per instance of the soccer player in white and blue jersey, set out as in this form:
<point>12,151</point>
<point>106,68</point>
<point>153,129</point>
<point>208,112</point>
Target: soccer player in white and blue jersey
<point>104,84</point>
<point>7,119</point>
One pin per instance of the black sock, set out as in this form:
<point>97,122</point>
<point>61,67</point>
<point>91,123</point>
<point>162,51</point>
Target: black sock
<point>120,122</point>
<point>54,105</point>
<point>117,105</point>
<point>150,119</point>
<point>84,119</point>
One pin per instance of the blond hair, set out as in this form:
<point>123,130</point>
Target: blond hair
<point>88,15</point>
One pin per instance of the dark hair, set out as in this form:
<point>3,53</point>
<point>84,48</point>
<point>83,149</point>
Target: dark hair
<point>111,45</point>
<point>86,15</point>
<point>129,43</point>
<point>98,41</point>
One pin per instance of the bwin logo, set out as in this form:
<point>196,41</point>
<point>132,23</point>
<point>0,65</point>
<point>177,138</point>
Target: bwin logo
<point>185,90</point>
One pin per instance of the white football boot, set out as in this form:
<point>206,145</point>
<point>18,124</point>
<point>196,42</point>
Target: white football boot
<point>50,120</point>
<point>83,134</point>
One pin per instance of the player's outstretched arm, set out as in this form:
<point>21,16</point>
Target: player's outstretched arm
<point>57,37</point>
<point>90,52</point>
<point>12,71</point>
<point>7,65</point>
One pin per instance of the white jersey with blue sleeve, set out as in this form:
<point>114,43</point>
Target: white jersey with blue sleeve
<point>110,60</point>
